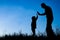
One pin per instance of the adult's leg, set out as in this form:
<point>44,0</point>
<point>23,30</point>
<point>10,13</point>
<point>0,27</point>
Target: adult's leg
<point>49,30</point>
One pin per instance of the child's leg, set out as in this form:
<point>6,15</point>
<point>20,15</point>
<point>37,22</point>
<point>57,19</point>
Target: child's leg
<point>33,30</point>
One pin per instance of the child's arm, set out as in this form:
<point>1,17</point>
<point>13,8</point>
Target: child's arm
<point>37,17</point>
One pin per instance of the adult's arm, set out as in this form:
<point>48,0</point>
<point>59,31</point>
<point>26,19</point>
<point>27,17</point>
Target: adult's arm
<point>41,14</point>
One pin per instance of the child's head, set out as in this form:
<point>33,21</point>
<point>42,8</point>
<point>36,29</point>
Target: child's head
<point>33,17</point>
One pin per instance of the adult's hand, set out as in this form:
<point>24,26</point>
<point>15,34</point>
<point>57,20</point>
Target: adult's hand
<point>38,13</point>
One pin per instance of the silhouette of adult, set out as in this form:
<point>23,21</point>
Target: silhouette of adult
<point>33,24</point>
<point>49,17</point>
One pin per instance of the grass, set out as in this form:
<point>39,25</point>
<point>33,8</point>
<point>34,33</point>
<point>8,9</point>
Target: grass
<point>28,37</point>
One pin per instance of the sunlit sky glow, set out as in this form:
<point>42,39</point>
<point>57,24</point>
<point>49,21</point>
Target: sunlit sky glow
<point>15,15</point>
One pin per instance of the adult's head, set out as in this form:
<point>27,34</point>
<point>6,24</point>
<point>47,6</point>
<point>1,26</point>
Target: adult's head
<point>43,5</point>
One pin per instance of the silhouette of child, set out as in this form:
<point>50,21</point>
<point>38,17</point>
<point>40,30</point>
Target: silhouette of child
<point>33,24</point>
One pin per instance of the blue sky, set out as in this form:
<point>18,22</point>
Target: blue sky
<point>15,15</point>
